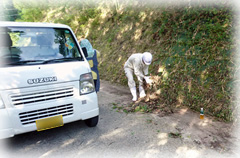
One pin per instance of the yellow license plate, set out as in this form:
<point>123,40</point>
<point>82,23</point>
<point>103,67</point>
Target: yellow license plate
<point>48,123</point>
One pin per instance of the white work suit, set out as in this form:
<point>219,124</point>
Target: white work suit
<point>135,65</point>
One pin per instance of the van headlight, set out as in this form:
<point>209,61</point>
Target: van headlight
<point>1,104</point>
<point>86,84</point>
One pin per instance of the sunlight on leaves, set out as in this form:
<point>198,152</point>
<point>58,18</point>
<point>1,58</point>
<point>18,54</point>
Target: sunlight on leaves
<point>119,59</point>
<point>138,34</point>
<point>143,16</point>
<point>161,69</point>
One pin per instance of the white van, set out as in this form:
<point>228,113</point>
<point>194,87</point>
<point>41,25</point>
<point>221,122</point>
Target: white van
<point>45,80</point>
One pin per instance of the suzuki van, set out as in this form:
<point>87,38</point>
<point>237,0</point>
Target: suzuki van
<point>45,80</point>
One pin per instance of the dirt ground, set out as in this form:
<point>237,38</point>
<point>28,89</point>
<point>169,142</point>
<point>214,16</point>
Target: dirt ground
<point>208,133</point>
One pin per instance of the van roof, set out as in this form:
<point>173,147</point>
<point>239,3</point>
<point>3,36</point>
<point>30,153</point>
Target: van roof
<point>32,24</point>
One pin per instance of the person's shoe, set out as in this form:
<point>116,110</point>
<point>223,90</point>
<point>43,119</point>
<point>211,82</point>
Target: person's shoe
<point>134,93</point>
<point>141,92</point>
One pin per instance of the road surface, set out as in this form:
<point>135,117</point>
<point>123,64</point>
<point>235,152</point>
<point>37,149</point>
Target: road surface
<point>128,135</point>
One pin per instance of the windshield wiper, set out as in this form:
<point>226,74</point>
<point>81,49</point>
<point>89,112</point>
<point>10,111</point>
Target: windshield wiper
<point>26,62</point>
<point>62,60</point>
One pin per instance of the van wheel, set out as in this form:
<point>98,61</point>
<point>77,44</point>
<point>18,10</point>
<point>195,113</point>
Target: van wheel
<point>92,122</point>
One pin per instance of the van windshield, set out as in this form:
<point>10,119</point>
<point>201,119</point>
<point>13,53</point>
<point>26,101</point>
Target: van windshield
<point>27,46</point>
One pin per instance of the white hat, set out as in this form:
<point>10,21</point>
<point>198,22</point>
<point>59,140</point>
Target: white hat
<point>147,58</point>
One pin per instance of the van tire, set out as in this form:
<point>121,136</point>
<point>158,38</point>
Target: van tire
<point>92,122</point>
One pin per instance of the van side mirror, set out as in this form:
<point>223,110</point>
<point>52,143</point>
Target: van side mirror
<point>85,52</point>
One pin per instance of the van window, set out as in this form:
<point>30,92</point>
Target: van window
<point>27,46</point>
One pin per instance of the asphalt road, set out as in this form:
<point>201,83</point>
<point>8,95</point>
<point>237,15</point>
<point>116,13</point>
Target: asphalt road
<point>132,135</point>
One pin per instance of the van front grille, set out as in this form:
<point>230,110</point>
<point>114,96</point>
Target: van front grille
<point>31,116</point>
<point>36,97</point>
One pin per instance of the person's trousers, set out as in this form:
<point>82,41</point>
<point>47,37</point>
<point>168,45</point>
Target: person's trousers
<point>131,83</point>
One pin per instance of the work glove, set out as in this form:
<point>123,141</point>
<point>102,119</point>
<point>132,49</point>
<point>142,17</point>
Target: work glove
<point>148,80</point>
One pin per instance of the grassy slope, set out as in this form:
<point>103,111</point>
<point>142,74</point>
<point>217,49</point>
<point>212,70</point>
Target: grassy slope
<point>191,49</point>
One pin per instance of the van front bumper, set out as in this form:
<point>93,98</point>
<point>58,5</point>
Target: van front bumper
<point>6,129</point>
<point>6,133</point>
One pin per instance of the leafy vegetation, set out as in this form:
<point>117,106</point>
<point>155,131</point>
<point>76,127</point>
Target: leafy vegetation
<point>192,46</point>
<point>7,11</point>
